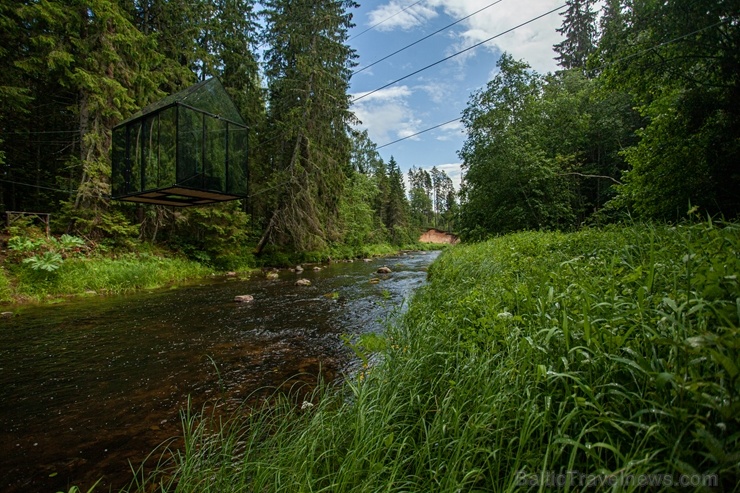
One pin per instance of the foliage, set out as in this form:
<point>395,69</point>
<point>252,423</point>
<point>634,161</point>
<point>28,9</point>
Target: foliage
<point>128,272</point>
<point>6,290</point>
<point>85,66</point>
<point>644,120</point>
<point>542,152</point>
<point>48,261</point>
<point>579,30</point>
<point>214,235</point>
<point>307,67</point>
<point>679,60</point>
<point>356,215</point>
<point>509,182</point>
<point>44,254</point>
<point>374,208</point>
<point>432,196</point>
<point>109,227</point>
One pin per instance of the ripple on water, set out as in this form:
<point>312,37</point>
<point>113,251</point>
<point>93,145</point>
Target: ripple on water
<point>87,386</point>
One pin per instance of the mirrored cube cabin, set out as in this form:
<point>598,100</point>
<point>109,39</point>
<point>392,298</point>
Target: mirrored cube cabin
<point>190,148</point>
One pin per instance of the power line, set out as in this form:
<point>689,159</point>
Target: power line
<point>386,19</point>
<point>459,53</point>
<point>427,37</point>
<point>36,186</point>
<point>665,43</point>
<point>31,132</point>
<point>419,133</point>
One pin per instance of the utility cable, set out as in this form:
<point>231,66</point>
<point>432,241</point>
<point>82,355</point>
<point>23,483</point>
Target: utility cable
<point>36,186</point>
<point>419,133</point>
<point>459,53</point>
<point>427,37</point>
<point>386,19</point>
<point>665,43</point>
<point>32,132</point>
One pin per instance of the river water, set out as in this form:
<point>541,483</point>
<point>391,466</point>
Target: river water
<point>91,386</point>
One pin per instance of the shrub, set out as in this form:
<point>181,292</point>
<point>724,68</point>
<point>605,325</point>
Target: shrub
<point>6,291</point>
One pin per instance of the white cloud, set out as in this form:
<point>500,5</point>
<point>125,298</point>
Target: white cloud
<point>454,130</point>
<point>388,94</point>
<point>531,43</point>
<point>386,114</point>
<point>439,92</point>
<point>398,15</point>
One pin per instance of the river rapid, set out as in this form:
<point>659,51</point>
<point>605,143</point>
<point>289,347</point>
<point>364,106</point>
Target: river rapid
<point>89,388</point>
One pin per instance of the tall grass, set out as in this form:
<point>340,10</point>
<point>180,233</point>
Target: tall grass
<point>5,289</point>
<point>593,361</point>
<point>106,275</point>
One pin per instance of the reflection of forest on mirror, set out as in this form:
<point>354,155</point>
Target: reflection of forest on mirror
<point>190,148</point>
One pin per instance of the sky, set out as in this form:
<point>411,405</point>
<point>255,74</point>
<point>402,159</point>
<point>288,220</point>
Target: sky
<point>441,93</point>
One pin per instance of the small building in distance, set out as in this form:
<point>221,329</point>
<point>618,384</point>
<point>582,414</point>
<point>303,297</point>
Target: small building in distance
<point>437,236</point>
<point>189,148</point>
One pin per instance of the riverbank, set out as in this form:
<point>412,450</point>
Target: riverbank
<point>90,276</point>
<point>97,274</point>
<point>593,357</point>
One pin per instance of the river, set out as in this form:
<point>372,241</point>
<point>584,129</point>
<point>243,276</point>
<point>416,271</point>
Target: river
<point>90,386</point>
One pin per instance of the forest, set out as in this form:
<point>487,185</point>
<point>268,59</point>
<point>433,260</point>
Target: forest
<point>641,121</point>
<point>75,70</point>
<point>585,338</point>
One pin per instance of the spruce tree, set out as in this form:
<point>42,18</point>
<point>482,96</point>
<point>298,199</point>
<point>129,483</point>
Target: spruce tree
<point>95,67</point>
<point>579,29</point>
<point>307,66</point>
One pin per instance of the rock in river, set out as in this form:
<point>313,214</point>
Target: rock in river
<point>303,282</point>
<point>244,298</point>
<point>384,270</point>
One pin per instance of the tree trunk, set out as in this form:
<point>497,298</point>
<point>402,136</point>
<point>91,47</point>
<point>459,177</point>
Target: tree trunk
<point>268,230</point>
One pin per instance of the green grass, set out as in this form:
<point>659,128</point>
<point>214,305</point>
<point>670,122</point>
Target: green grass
<point>106,275</point>
<point>6,292</point>
<point>613,353</point>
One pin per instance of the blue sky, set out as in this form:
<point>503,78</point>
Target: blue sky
<point>440,93</point>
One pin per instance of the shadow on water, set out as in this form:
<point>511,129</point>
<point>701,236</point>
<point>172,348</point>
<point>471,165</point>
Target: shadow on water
<point>91,386</point>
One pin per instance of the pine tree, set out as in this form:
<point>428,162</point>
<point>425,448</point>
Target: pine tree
<point>308,66</point>
<point>579,29</point>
